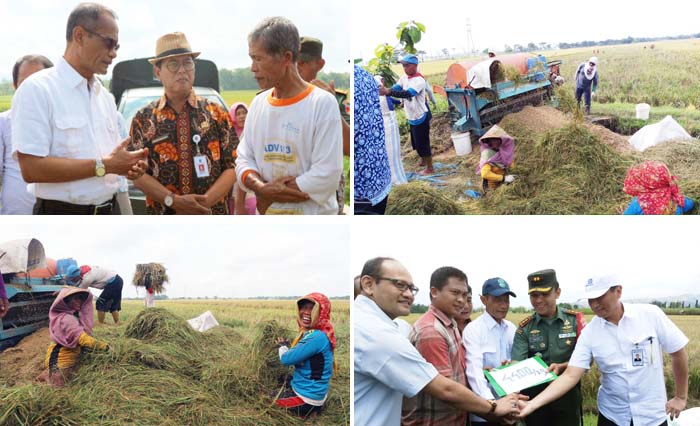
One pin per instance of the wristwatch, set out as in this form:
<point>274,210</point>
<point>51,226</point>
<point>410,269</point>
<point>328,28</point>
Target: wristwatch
<point>493,406</point>
<point>99,168</point>
<point>168,200</point>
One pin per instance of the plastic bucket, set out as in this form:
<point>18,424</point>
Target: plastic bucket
<point>643,111</point>
<point>462,143</point>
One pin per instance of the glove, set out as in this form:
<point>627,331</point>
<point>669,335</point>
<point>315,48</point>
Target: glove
<point>592,94</point>
<point>509,178</point>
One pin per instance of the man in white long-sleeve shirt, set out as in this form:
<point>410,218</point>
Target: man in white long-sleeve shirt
<point>489,339</point>
<point>291,154</point>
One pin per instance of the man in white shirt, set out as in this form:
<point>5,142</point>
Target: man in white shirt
<point>64,123</point>
<point>626,341</point>
<point>14,198</point>
<point>488,339</point>
<point>291,154</point>
<point>386,365</point>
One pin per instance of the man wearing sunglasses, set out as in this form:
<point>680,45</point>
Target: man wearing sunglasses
<point>387,366</point>
<point>64,125</point>
<point>190,140</point>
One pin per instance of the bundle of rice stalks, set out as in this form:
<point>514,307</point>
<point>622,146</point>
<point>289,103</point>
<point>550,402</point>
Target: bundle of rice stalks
<point>419,198</point>
<point>568,171</point>
<point>270,371</point>
<point>153,272</point>
<point>157,325</point>
<point>157,373</point>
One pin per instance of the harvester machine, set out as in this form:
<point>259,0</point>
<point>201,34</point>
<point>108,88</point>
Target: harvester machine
<point>29,286</point>
<point>481,93</point>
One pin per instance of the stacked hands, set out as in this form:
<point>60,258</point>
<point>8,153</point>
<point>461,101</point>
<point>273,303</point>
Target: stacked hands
<point>132,164</point>
<point>283,190</point>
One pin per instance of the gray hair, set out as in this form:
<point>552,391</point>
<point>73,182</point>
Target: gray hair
<point>35,59</point>
<point>86,15</point>
<point>278,35</point>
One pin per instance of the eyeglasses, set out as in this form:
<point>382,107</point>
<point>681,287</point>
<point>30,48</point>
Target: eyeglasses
<point>109,42</point>
<point>174,66</point>
<point>400,284</point>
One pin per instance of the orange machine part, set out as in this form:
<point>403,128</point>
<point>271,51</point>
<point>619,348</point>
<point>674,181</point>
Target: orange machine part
<point>47,272</point>
<point>457,72</point>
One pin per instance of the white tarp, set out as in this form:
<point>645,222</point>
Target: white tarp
<point>203,322</point>
<point>689,417</point>
<point>21,256</point>
<point>654,134</point>
<point>479,76</point>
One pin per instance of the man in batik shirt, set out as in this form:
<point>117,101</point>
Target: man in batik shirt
<point>191,141</point>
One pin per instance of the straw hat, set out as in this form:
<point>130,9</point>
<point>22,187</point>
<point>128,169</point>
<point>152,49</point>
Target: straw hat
<point>172,45</point>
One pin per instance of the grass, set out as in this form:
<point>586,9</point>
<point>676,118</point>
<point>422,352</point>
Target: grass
<point>233,96</point>
<point>5,102</point>
<point>160,372</point>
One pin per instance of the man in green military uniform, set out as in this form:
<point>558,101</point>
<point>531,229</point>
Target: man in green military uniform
<point>551,334</point>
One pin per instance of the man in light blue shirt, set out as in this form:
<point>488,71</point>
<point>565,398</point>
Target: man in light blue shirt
<point>386,365</point>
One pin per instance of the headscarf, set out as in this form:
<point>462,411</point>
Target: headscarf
<point>320,317</point>
<point>232,113</point>
<point>588,70</point>
<point>651,182</point>
<point>502,158</point>
<point>64,328</point>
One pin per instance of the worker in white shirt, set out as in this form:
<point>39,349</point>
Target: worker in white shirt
<point>626,341</point>
<point>488,339</point>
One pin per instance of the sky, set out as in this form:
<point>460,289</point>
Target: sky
<point>495,24</point>
<point>219,29</point>
<point>217,258</point>
<point>653,257</point>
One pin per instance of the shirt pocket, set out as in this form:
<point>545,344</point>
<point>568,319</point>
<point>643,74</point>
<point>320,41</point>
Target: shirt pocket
<point>70,136</point>
<point>644,346</point>
<point>491,358</point>
<point>609,360</point>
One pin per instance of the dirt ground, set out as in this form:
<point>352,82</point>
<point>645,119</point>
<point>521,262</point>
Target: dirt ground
<point>25,361</point>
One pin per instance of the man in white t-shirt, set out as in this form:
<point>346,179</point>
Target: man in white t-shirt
<point>14,197</point>
<point>626,341</point>
<point>412,88</point>
<point>64,123</point>
<point>387,366</point>
<point>291,154</point>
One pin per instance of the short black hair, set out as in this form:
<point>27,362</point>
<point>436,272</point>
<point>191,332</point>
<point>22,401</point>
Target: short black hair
<point>440,276</point>
<point>86,15</point>
<point>37,59</point>
<point>373,267</point>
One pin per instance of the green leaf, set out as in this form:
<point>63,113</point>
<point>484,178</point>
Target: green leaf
<point>420,26</point>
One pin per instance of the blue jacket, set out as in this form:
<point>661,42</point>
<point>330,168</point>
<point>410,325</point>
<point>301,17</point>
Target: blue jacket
<point>312,358</point>
<point>582,82</point>
<point>635,208</point>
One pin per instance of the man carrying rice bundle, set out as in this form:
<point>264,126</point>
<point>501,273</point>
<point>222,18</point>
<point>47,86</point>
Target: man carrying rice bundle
<point>311,353</point>
<point>70,327</point>
<point>151,276</point>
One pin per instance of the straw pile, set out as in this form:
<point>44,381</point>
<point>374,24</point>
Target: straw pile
<point>681,157</point>
<point>419,198</point>
<point>160,372</point>
<point>154,271</point>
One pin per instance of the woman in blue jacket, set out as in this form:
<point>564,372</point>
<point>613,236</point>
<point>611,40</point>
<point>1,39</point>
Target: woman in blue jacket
<point>311,354</point>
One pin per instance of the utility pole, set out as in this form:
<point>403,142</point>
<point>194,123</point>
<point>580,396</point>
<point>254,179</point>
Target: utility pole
<point>471,49</point>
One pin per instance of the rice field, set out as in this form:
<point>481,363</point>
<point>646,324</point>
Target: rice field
<point>160,372</point>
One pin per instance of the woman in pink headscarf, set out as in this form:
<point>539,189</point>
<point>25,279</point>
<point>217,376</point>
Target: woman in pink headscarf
<point>497,148</point>
<point>654,190</point>
<point>69,334</point>
<point>243,203</point>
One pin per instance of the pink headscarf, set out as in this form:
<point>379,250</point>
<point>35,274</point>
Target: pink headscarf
<point>232,113</point>
<point>504,155</point>
<point>64,328</point>
<point>654,186</point>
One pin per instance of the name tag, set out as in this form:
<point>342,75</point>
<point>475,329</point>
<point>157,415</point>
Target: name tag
<point>201,166</point>
<point>565,335</point>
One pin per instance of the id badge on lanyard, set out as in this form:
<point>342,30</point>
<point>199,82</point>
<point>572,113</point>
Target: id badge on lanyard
<point>201,166</point>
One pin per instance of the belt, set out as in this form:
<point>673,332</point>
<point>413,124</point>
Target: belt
<point>43,206</point>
